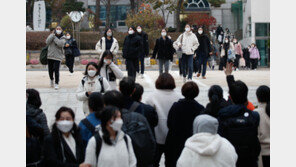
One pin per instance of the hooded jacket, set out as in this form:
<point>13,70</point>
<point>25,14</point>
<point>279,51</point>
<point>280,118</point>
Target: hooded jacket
<point>38,115</point>
<point>101,47</point>
<point>189,43</point>
<point>106,70</point>
<point>254,53</point>
<point>55,47</point>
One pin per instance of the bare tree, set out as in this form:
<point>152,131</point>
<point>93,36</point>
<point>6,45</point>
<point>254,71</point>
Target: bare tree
<point>133,6</point>
<point>177,14</point>
<point>108,4</point>
<point>97,16</point>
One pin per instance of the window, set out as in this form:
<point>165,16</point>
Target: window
<point>262,29</point>
<point>117,12</point>
<point>197,4</point>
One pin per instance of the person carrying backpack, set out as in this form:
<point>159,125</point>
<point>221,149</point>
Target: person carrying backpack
<point>91,82</point>
<point>239,125</point>
<point>88,125</point>
<point>110,147</point>
<point>137,127</point>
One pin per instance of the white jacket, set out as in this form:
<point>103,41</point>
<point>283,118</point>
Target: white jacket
<point>111,155</point>
<point>207,150</point>
<point>117,72</point>
<point>189,43</point>
<point>90,85</point>
<point>264,129</point>
<point>102,48</point>
<point>162,101</point>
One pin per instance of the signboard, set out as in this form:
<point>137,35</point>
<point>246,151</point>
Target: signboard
<point>39,16</point>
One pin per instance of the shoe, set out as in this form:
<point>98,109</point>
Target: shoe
<point>184,79</point>
<point>71,74</point>
<point>56,86</point>
<point>51,83</point>
<point>198,75</point>
<point>203,77</point>
<point>189,79</point>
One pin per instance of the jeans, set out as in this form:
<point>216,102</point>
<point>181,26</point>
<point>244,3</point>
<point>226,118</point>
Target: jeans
<point>165,63</point>
<point>131,65</point>
<point>141,59</point>
<point>187,64</point>
<point>70,62</point>
<point>54,67</point>
<point>202,62</point>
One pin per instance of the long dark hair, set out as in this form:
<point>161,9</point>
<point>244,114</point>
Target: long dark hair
<point>96,103</point>
<point>34,98</point>
<point>108,113</point>
<point>105,54</point>
<point>215,95</point>
<point>263,96</point>
<point>93,64</point>
<point>105,33</point>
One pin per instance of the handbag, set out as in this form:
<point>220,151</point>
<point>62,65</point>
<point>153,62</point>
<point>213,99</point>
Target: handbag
<point>242,62</point>
<point>222,52</point>
<point>43,55</point>
<point>179,51</point>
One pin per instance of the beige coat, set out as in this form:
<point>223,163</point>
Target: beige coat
<point>102,48</point>
<point>264,130</point>
<point>189,43</point>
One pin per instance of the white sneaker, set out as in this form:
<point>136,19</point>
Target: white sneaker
<point>51,83</point>
<point>184,79</point>
<point>56,86</point>
<point>71,74</point>
<point>188,80</point>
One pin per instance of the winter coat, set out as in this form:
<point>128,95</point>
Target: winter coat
<point>204,45</point>
<point>132,46</point>
<point>238,49</point>
<point>55,47</point>
<point>254,53</point>
<point>151,116</point>
<point>145,49</point>
<point>207,150</point>
<point>38,115</point>
<point>163,49</point>
<point>101,46</point>
<point>116,155</point>
<point>189,43</point>
<point>264,130</point>
<point>213,110</point>
<point>56,150</point>
<point>162,101</point>
<point>90,85</point>
<point>33,152</point>
<point>225,47</point>
<point>180,121</point>
<point>106,72</point>
<point>72,48</point>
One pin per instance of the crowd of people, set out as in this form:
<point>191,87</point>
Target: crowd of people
<point>121,130</point>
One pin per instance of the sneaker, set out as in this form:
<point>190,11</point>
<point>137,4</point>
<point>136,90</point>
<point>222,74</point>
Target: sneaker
<point>189,79</point>
<point>51,83</point>
<point>184,79</point>
<point>56,86</point>
<point>198,75</point>
<point>71,74</point>
<point>203,77</point>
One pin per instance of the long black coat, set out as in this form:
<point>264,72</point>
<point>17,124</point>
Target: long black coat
<point>163,49</point>
<point>132,46</point>
<point>204,44</point>
<point>53,154</point>
<point>180,121</point>
<point>145,49</point>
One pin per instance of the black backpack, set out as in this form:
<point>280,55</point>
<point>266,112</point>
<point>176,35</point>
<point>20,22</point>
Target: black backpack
<point>144,144</point>
<point>100,80</point>
<point>43,56</point>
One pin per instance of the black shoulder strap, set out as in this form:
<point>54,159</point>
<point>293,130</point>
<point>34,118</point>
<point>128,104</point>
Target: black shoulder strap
<point>89,125</point>
<point>102,84</point>
<point>83,81</point>
<point>126,142</point>
<point>101,43</point>
<point>134,106</point>
<point>98,145</point>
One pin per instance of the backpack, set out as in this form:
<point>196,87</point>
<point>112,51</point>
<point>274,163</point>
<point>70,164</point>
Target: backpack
<point>134,107</point>
<point>89,126</point>
<point>100,80</point>
<point>142,138</point>
<point>43,55</point>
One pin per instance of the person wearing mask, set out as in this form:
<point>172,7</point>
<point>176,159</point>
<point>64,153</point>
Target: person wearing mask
<point>254,56</point>
<point>91,82</point>
<point>227,33</point>
<point>224,53</point>
<point>217,102</point>
<point>144,51</point>
<point>71,51</point>
<point>34,111</point>
<point>240,125</point>
<point>132,48</point>
<point>263,96</point>
<point>64,146</point>
<point>212,59</point>
<point>220,34</point>
<point>55,42</point>
<point>149,112</point>
<point>110,146</point>
<point>188,42</point>
<point>246,55</point>
<point>164,50</point>
<point>109,70</point>
<point>206,148</point>
<point>88,125</point>
<point>162,99</point>
<point>180,120</point>
<point>203,51</point>
<point>107,42</point>
<point>238,53</point>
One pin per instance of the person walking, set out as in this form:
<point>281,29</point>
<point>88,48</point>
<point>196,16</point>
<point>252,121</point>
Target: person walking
<point>203,51</point>
<point>107,42</point>
<point>55,42</point>
<point>188,42</point>
<point>180,120</point>
<point>206,148</point>
<point>132,46</point>
<point>163,51</point>
<point>213,56</point>
<point>71,51</point>
<point>220,34</point>
<point>144,52</point>
<point>226,46</point>
<point>246,55</point>
<point>238,53</point>
<point>109,70</point>
<point>254,56</point>
<point>91,82</point>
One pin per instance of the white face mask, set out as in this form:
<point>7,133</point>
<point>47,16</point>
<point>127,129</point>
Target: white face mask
<point>68,36</point>
<point>116,125</point>
<point>187,29</point>
<point>163,34</point>
<point>58,32</point>
<point>234,41</point>
<point>226,41</point>
<point>65,126</point>
<point>131,32</point>
<point>200,31</point>
<point>91,73</point>
<point>109,34</point>
<point>139,30</point>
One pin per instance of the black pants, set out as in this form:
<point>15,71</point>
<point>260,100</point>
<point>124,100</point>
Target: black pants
<point>236,62</point>
<point>180,66</point>
<point>54,67</point>
<point>254,63</point>
<point>160,149</point>
<point>223,61</point>
<point>141,59</point>
<point>131,67</point>
<point>202,63</point>
<point>266,161</point>
<point>70,62</point>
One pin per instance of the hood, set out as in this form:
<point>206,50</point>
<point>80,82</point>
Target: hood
<point>32,110</point>
<point>205,123</point>
<point>204,144</point>
<point>232,110</point>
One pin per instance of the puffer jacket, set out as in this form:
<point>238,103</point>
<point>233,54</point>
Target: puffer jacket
<point>55,47</point>
<point>38,115</point>
<point>101,46</point>
<point>189,43</point>
<point>254,53</point>
<point>132,46</point>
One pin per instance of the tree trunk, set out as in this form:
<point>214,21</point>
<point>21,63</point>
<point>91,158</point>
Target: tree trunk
<point>108,7</point>
<point>179,6</point>
<point>97,16</point>
<point>133,6</point>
